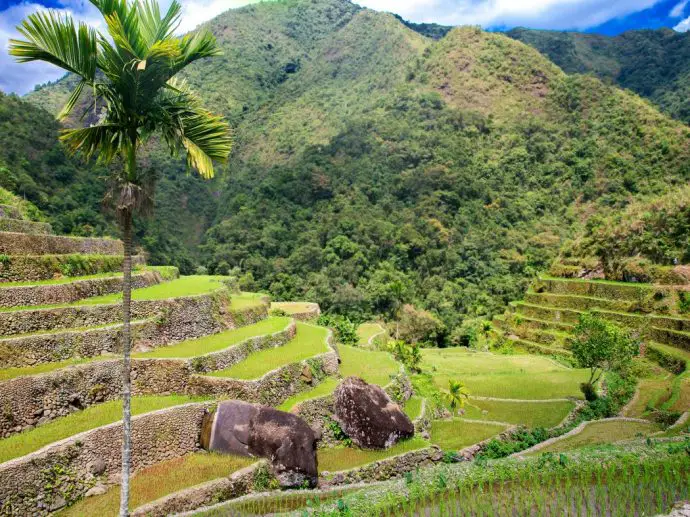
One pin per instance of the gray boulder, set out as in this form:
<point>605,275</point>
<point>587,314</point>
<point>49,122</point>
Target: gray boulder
<point>368,416</point>
<point>284,439</point>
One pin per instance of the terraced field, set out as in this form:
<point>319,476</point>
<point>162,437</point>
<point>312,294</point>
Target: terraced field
<point>544,321</point>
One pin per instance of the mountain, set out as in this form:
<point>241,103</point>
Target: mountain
<point>375,166</point>
<point>653,63</point>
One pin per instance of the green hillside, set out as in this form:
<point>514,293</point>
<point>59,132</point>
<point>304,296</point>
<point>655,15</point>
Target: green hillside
<point>374,165</point>
<point>653,63</point>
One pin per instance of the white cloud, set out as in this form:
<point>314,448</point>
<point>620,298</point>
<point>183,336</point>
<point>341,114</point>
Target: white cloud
<point>683,26</point>
<point>196,12</point>
<point>21,78</point>
<point>677,11</point>
<point>545,14</point>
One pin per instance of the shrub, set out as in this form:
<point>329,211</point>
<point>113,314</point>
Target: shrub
<point>409,355</point>
<point>419,326</point>
<point>345,331</point>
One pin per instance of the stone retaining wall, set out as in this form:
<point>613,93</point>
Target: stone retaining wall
<point>13,243</point>
<point>23,226</point>
<point>384,469</point>
<point>171,321</point>
<point>60,473</point>
<point>33,268</point>
<point>29,401</point>
<point>22,296</point>
<point>79,316</point>
<point>51,347</point>
<point>235,485</point>
<point>10,212</point>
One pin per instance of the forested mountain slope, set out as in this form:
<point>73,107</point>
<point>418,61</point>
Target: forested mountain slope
<point>652,63</point>
<point>375,166</point>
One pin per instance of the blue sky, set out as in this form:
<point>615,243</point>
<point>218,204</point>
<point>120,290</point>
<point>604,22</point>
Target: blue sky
<point>601,16</point>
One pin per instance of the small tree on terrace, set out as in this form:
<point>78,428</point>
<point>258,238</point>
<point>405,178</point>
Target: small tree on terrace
<point>456,396</point>
<point>601,346</point>
<point>131,74</point>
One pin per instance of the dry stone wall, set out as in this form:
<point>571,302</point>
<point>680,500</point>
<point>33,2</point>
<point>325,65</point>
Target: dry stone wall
<point>22,226</point>
<point>30,401</point>
<point>22,296</point>
<point>13,243</point>
<point>32,268</point>
<point>60,473</point>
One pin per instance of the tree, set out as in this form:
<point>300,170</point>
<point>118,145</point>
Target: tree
<point>132,76</point>
<point>601,346</point>
<point>456,396</point>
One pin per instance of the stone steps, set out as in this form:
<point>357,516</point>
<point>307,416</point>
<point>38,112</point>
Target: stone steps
<point>23,226</point>
<point>13,243</point>
<point>554,314</point>
<point>71,290</point>
<point>669,337</point>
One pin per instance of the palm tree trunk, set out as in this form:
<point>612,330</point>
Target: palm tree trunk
<point>126,363</point>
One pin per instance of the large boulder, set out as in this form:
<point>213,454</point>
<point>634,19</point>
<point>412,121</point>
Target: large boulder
<point>284,439</point>
<point>368,416</point>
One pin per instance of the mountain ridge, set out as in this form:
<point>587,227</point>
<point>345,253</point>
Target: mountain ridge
<point>375,166</point>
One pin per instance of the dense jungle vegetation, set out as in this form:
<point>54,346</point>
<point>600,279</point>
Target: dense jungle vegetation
<point>373,166</point>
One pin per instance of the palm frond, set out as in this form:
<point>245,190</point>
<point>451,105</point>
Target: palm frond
<point>106,140</point>
<point>154,28</point>
<point>55,39</point>
<point>71,101</point>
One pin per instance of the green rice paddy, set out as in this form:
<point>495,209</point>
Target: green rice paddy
<point>368,330</point>
<point>529,414</point>
<point>528,377</point>
<point>372,366</point>
<point>596,433</point>
<point>326,387</point>
<point>308,342</point>
<point>456,434</point>
<point>345,458</point>
<point>217,342</point>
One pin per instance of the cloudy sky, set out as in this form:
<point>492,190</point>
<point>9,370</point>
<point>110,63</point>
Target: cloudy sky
<point>602,16</point>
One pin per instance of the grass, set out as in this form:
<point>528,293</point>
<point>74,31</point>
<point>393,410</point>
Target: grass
<point>345,458</point>
<point>372,366</point>
<point>535,414</point>
<point>183,286</point>
<point>651,392</point>
<point>309,341</point>
<point>275,504</point>
<point>596,433</point>
<point>243,301</point>
<point>413,407</point>
<point>90,418</point>
<point>681,398</point>
<point>321,390</point>
<point>160,480</point>
<point>503,376</point>
<point>368,330</point>
<point>216,342</point>
<point>293,307</point>
<point>12,373</point>
<point>453,435</point>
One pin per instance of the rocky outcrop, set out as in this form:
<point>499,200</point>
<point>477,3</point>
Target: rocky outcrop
<point>284,439</point>
<point>368,416</point>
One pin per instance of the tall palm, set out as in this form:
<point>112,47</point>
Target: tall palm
<point>131,72</point>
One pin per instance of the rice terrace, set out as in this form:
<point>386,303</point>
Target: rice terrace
<point>306,257</point>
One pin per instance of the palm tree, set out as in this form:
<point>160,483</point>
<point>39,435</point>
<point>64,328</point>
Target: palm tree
<point>456,396</point>
<point>131,72</point>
